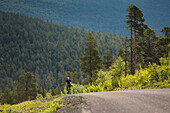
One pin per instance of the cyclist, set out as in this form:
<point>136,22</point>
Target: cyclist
<point>68,84</point>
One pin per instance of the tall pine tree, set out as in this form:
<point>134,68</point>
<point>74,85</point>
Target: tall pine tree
<point>91,61</point>
<point>135,21</point>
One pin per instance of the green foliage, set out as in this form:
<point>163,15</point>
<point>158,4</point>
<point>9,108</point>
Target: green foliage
<point>6,97</point>
<point>43,89</point>
<point>0,94</point>
<point>58,90</point>
<point>146,49</point>
<point>52,92</point>
<point>48,94</point>
<point>154,74</point>
<point>76,88</point>
<point>89,12</point>
<point>118,67</point>
<point>45,49</point>
<point>39,96</point>
<point>32,107</point>
<point>104,79</point>
<point>108,59</point>
<point>91,61</point>
<point>27,87</point>
<point>166,32</point>
<point>65,90</point>
<point>121,53</point>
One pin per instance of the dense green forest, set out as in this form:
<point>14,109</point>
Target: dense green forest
<point>104,15</point>
<point>37,56</point>
<point>47,50</point>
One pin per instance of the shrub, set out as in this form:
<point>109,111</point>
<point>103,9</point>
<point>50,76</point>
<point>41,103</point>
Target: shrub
<point>39,96</point>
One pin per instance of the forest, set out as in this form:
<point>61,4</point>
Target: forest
<point>38,56</point>
<point>104,15</point>
<point>47,50</point>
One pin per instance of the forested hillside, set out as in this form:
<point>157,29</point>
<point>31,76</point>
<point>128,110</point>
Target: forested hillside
<point>104,15</point>
<point>36,56</point>
<point>45,49</point>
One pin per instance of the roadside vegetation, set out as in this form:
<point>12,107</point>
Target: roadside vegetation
<point>143,62</point>
<point>155,76</point>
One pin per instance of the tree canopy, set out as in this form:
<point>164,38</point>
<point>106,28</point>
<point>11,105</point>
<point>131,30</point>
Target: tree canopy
<point>91,60</point>
<point>45,49</point>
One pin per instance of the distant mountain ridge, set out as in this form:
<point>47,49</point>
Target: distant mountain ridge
<point>103,15</point>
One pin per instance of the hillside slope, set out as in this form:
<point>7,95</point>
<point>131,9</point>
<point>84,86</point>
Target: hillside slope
<point>45,49</point>
<point>103,15</point>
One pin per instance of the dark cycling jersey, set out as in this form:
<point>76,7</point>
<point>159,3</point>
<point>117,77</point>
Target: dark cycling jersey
<point>68,82</point>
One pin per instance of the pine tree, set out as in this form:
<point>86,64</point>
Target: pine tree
<point>7,96</point>
<point>53,92</point>
<point>74,77</point>
<point>108,59</point>
<point>27,87</point>
<point>146,49</point>
<point>162,47</point>
<point>151,40</point>
<point>91,61</point>
<point>126,56</point>
<point>135,22</point>
<point>166,32</point>
<point>121,53</point>
<point>58,89</point>
<point>130,23</point>
<point>43,89</point>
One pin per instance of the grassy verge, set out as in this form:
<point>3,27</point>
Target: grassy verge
<point>47,105</point>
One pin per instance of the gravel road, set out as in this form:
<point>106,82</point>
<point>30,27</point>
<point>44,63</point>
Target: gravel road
<point>133,101</point>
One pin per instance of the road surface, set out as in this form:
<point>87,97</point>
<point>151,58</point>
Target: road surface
<point>133,101</point>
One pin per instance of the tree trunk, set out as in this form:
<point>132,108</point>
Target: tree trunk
<point>91,78</point>
<point>125,57</point>
<point>134,58</point>
<point>149,48</point>
<point>91,67</point>
<point>131,50</point>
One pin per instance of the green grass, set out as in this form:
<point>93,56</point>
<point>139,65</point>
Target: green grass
<point>45,105</point>
<point>33,107</point>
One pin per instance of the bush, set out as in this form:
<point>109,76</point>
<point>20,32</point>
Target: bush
<point>39,96</point>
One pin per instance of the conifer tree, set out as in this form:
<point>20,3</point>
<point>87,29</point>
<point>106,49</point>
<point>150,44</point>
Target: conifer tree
<point>146,49</point>
<point>121,53</point>
<point>91,61</point>
<point>7,96</point>
<point>107,59</point>
<point>74,77</point>
<point>126,56</point>
<point>166,32</point>
<point>58,89</point>
<point>135,22</point>
<point>52,92</point>
<point>27,87</point>
<point>43,89</point>
<point>130,23</point>
<point>151,40</point>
